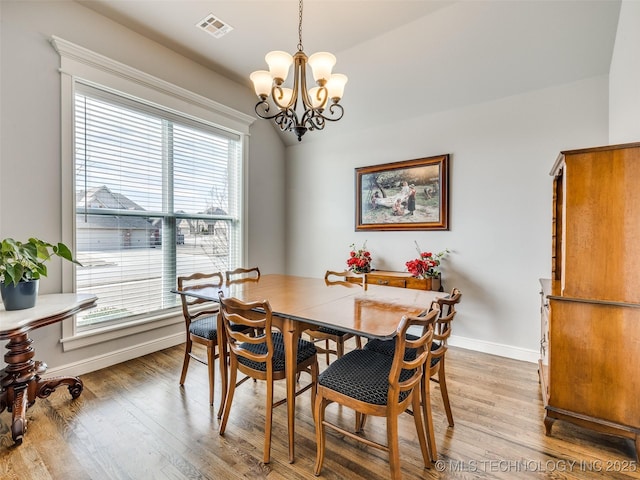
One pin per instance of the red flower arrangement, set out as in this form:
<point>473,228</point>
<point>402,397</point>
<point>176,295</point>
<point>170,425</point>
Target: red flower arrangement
<point>426,266</point>
<point>359,260</point>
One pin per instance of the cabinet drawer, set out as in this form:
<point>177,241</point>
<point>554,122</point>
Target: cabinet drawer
<point>386,280</point>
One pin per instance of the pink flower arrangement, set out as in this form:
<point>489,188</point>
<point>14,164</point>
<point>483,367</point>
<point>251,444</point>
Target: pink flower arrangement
<point>426,265</point>
<point>359,260</point>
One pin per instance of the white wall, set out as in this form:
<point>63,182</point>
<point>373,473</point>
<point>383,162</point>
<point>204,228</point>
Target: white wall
<point>624,77</point>
<point>30,160</point>
<point>500,202</point>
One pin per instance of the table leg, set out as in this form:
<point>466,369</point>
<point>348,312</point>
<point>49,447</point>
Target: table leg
<point>290,335</point>
<point>21,383</point>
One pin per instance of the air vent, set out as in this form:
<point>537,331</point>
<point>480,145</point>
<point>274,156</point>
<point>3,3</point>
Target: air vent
<point>214,26</point>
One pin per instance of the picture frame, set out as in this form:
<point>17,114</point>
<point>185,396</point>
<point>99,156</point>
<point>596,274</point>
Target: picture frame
<point>405,195</point>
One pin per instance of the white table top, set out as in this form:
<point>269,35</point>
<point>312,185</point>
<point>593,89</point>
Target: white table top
<point>49,308</point>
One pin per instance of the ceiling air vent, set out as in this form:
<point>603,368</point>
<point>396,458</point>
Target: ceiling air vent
<point>214,26</point>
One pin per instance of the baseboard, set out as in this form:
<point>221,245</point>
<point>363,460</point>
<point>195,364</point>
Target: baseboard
<point>115,357</point>
<point>119,356</point>
<point>499,349</point>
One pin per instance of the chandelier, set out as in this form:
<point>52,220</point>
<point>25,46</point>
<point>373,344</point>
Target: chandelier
<point>317,105</point>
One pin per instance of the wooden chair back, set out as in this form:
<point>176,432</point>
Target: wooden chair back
<point>422,346</point>
<point>242,274</point>
<point>192,307</point>
<point>257,317</point>
<point>447,314</point>
<point>334,277</point>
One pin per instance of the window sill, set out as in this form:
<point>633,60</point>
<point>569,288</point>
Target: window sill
<point>95,336</point>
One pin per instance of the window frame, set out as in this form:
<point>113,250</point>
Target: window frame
<point>80,64</point>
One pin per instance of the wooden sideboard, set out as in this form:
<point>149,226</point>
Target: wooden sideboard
<point>590,342</point>
<point>402,280</point>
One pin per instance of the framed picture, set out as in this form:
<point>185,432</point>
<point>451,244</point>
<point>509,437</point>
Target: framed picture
<point>407,195</point>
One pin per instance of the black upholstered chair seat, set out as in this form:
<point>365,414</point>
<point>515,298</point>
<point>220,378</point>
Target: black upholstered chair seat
<point>306,350</point>
<point>205,327</point>
<point>387,347</point>
<point>363,375</point>
<point>332,331</point>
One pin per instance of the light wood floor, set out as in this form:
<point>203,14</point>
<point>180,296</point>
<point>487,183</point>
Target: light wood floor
<point>133,421</point>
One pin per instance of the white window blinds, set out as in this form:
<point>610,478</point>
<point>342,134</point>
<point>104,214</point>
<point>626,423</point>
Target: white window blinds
<point>157,195</point>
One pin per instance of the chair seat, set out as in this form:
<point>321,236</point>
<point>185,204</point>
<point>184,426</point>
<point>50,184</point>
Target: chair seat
<point>205,327</point>
<point>387,347</point>
<point>363,375</point>
<point>306,350</point>
<point>332,331</point>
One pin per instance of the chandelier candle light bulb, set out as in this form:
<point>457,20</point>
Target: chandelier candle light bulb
<point>313,102</point>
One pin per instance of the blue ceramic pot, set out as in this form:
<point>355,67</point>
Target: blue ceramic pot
<point>20,296</point>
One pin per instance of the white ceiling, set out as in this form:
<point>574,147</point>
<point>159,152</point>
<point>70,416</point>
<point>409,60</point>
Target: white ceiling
<point>412,57</point>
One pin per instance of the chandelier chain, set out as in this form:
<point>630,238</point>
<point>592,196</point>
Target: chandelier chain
<point>300,49</point>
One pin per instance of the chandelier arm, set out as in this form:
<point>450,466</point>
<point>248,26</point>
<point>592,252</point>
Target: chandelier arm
<point>300,77</point>
<point>334,118</point>
<point>276,92</point>
<point>313,119</point>
<point>262,110</point>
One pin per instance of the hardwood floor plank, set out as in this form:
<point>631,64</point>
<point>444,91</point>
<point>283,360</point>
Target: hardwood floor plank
<point>133,421</point>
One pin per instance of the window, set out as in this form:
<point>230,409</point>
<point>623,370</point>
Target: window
<point>157,196</point>
<point>152,188</point>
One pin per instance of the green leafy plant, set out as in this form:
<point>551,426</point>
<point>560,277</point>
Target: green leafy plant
<point>26,261</point>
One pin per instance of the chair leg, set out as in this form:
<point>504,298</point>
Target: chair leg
<point>185,362</point>
<point>394,448</point>
<point>326,350</point>
<point>442,380</point>
<point>425,395</point>
<point>268,414</point>
<point>358,342</point>
<point>318,416</point>
<point>212,376</point>
<point>339,347</point>
<point>418,420</point>
<point>315,371</point>
<point>233,374</point>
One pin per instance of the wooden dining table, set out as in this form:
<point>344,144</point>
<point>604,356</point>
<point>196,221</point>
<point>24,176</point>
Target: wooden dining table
<point>300,303</point>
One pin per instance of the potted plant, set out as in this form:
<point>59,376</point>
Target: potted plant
<point>426,266</point>
<point>22,265</point>
<point>359,260</point>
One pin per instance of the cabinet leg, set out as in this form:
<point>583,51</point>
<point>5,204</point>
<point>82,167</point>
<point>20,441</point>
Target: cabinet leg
<point>548,423</point>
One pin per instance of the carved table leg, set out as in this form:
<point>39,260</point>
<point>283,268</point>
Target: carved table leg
<point>20,383</point>
<point>19,419</point>
<point>18,374</point>
<point>45,387</point>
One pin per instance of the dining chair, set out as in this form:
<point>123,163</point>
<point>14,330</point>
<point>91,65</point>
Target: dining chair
<point>436,370</point>
<point>439,347</point>
<point>373,383</point>
<point>200,317</point>
<point>239,274</point>
<point>261,357</point>
<point>326,335</point>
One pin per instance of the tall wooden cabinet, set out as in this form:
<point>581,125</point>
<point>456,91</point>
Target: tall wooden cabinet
<point>590,346</point>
